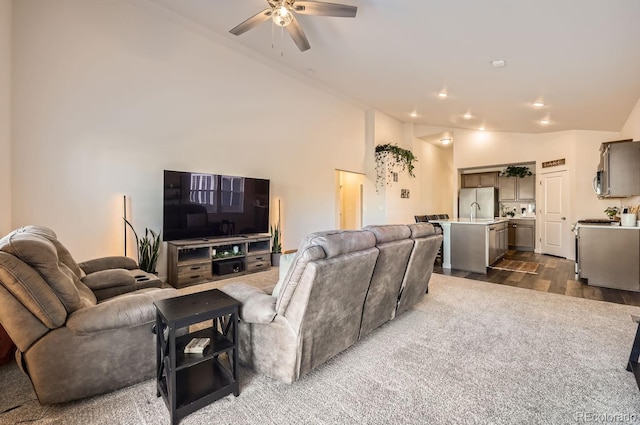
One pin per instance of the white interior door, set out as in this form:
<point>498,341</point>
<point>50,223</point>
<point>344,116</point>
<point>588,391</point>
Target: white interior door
<point>555,233</point>
<point>349,199</point>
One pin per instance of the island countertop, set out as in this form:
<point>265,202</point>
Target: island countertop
<point>477,221</point>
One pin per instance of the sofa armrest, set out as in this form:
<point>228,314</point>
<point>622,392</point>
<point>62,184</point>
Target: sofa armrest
<point>256,306</point>
<point>108,279</point>
<point>121,312</point>
<point>106,263</point>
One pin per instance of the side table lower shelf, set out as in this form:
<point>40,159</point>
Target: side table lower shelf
<point>188,382</point>
<point>193,392</point>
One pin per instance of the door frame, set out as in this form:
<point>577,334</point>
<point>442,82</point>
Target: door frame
<point>340,197</point>
<point>566,234</point>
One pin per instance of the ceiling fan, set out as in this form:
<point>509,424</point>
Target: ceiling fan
<point>282,12</point>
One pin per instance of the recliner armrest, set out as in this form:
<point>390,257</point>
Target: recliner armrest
<point>108,279</point>
<point>256,306</point>
<point>120,312</point>
<point>106,263</point>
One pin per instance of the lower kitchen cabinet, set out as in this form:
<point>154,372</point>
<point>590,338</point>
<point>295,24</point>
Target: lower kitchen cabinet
<point>609,257</point>
<point>522,234</point>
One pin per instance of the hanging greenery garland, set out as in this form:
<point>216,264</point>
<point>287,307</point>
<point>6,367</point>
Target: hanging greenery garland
<point>392,159</point>
<point>513,171</point>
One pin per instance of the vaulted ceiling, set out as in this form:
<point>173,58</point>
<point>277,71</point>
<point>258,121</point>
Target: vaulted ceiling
<point>581,58</point>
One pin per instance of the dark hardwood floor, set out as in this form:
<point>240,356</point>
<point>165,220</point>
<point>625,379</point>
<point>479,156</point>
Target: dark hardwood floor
<point>554,275</point>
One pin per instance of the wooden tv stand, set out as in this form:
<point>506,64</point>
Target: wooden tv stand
<point>192,261</point>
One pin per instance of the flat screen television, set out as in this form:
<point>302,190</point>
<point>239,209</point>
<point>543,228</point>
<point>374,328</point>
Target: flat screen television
<point>201,205</point>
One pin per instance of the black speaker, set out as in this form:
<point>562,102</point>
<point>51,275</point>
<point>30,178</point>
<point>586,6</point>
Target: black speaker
<point>227,267</point>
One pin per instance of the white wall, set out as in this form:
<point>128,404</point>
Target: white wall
<point>107,95</point>
<point>430,191</point>
<point>435,177</point>
<point>5,116</point>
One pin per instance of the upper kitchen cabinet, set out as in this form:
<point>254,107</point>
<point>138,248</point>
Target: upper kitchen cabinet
<point>517,188</point>
<point>472,180</point>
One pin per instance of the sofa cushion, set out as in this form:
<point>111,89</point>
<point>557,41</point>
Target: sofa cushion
<point>64,256</point>
<point>422,230</point>
<point>327,244</point>
<point>28,287</point>
<point>389,232</point>
<point>40,253</point>
<point>338,242</point>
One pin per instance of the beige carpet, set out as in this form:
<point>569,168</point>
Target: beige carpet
<point>516,266</point>
<point>471,353</point>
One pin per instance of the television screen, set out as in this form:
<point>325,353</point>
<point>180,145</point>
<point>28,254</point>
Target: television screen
<point>200,205</point>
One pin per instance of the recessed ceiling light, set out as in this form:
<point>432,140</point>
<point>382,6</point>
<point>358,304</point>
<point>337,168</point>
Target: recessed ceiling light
<point>545,121</point>
<point>413,114</point>
<point>482,129</point>
<point>442,95</point>
<point>467,116</point>
<point>500,63</point>
<point>538,104</point>
<point>445,141</point>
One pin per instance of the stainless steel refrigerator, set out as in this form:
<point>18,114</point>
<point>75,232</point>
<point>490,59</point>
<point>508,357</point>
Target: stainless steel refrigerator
<point>487,199</point>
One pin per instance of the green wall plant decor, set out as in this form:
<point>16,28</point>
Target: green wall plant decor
<point>391,159</point>
<point>513,171</point>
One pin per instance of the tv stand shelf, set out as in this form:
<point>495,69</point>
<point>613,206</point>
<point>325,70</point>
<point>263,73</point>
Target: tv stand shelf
<point>192,261</point>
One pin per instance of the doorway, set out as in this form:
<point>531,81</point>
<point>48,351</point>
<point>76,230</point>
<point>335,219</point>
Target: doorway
<point>555,235</point>
<point>349,192</point>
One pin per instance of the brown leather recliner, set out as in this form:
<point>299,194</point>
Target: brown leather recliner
<point>80,329</point>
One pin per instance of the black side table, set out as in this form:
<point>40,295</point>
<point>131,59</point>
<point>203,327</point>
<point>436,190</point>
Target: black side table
<point>188,382</point>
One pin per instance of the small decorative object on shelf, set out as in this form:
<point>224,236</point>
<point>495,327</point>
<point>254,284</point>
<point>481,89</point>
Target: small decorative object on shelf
<point>513,171</point>
<point>612,212</point>
<point>389,160</point>
<point>196,346</point>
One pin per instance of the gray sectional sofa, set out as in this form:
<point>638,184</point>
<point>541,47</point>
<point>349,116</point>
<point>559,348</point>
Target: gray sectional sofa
<point>341,286</point>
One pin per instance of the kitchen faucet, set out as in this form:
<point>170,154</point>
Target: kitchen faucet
<point>471,215</point>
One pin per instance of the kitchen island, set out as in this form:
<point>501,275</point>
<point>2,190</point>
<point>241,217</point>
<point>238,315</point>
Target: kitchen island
<point>473,244</point>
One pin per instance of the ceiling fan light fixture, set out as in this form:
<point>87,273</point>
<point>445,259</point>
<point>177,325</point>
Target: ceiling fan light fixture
<point>282,16</point>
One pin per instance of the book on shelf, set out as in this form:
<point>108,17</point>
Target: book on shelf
<point>196,346</point>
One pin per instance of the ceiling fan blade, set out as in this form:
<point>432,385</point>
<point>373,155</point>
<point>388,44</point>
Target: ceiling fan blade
<point>252,22</point>
<point>309,7</point>
<point>295,30</point>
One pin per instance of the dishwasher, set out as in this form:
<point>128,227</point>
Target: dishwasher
<point>493,244</point>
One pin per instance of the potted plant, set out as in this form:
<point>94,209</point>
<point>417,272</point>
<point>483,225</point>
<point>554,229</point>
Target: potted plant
<point>148,249</point>
<point>276,246</point>
<point>513,171</point>
<point>391,158</point>
<point>612,212</point>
